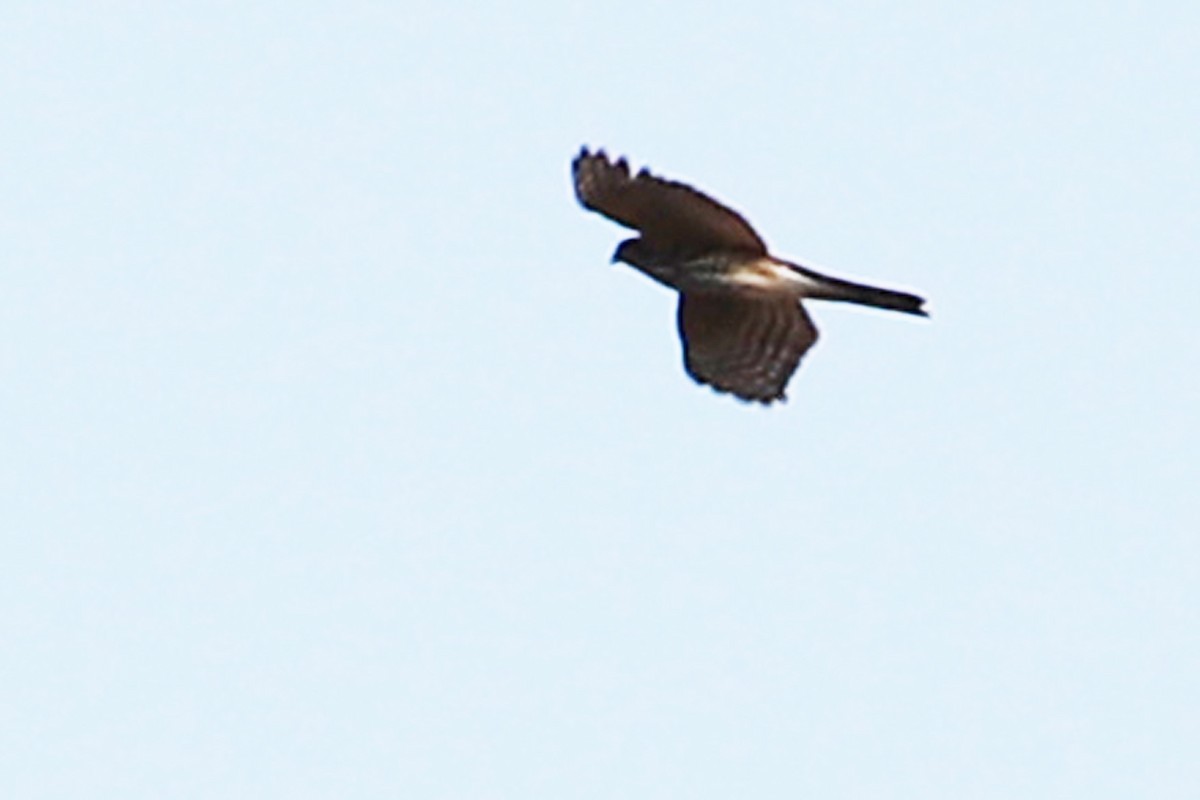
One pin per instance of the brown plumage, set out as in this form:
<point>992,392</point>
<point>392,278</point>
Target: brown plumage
<point>740,319</point>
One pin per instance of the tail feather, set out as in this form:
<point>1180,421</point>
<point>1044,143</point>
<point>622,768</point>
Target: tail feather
<point>838,290</point>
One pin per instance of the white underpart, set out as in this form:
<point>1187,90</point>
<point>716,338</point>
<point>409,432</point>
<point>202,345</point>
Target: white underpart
<point>770,276</point>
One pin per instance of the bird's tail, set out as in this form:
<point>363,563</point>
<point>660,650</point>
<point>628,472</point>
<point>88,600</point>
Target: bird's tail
<point>829,288</point>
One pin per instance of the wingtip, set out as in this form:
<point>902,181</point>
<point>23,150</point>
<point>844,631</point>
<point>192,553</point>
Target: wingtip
<point>760,400</point>
<point>599,154</point>
<point>583,155</point>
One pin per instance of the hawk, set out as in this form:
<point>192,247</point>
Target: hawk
<point>743,328</point>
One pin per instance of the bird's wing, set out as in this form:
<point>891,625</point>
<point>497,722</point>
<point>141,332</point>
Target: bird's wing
<point>748,345</point>
<point>671,216</point>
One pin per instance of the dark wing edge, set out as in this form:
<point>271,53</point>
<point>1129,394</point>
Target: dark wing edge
<point>744,345</point>
<point>671,216</point>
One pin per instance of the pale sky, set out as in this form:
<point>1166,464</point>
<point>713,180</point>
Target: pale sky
<point>339,461</point>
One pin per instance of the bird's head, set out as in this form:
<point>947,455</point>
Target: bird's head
<point>644,257</point>
<point>632,252</point>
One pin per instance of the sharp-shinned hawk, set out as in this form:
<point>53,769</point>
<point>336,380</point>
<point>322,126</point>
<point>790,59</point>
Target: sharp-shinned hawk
<point>743,328</point>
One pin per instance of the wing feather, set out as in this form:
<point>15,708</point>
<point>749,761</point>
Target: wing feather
<point>671,216</point>
<point>748,345</point>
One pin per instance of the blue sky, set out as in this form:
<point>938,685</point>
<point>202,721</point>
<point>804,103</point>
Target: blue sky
<point>340,462</point>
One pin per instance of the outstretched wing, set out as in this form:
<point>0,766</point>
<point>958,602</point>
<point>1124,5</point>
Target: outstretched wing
<point>748,345</point>
<point>672,217</point>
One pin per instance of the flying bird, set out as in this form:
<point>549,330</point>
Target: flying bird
<point>740,319</point>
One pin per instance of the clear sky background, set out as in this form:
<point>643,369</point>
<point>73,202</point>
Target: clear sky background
<point>339,462</point>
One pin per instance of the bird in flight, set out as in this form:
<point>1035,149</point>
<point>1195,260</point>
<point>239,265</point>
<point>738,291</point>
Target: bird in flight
<point>743,328</point>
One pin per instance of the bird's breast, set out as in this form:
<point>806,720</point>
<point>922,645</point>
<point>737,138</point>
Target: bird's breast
<point>723,271</point>
<point>767,275</point>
